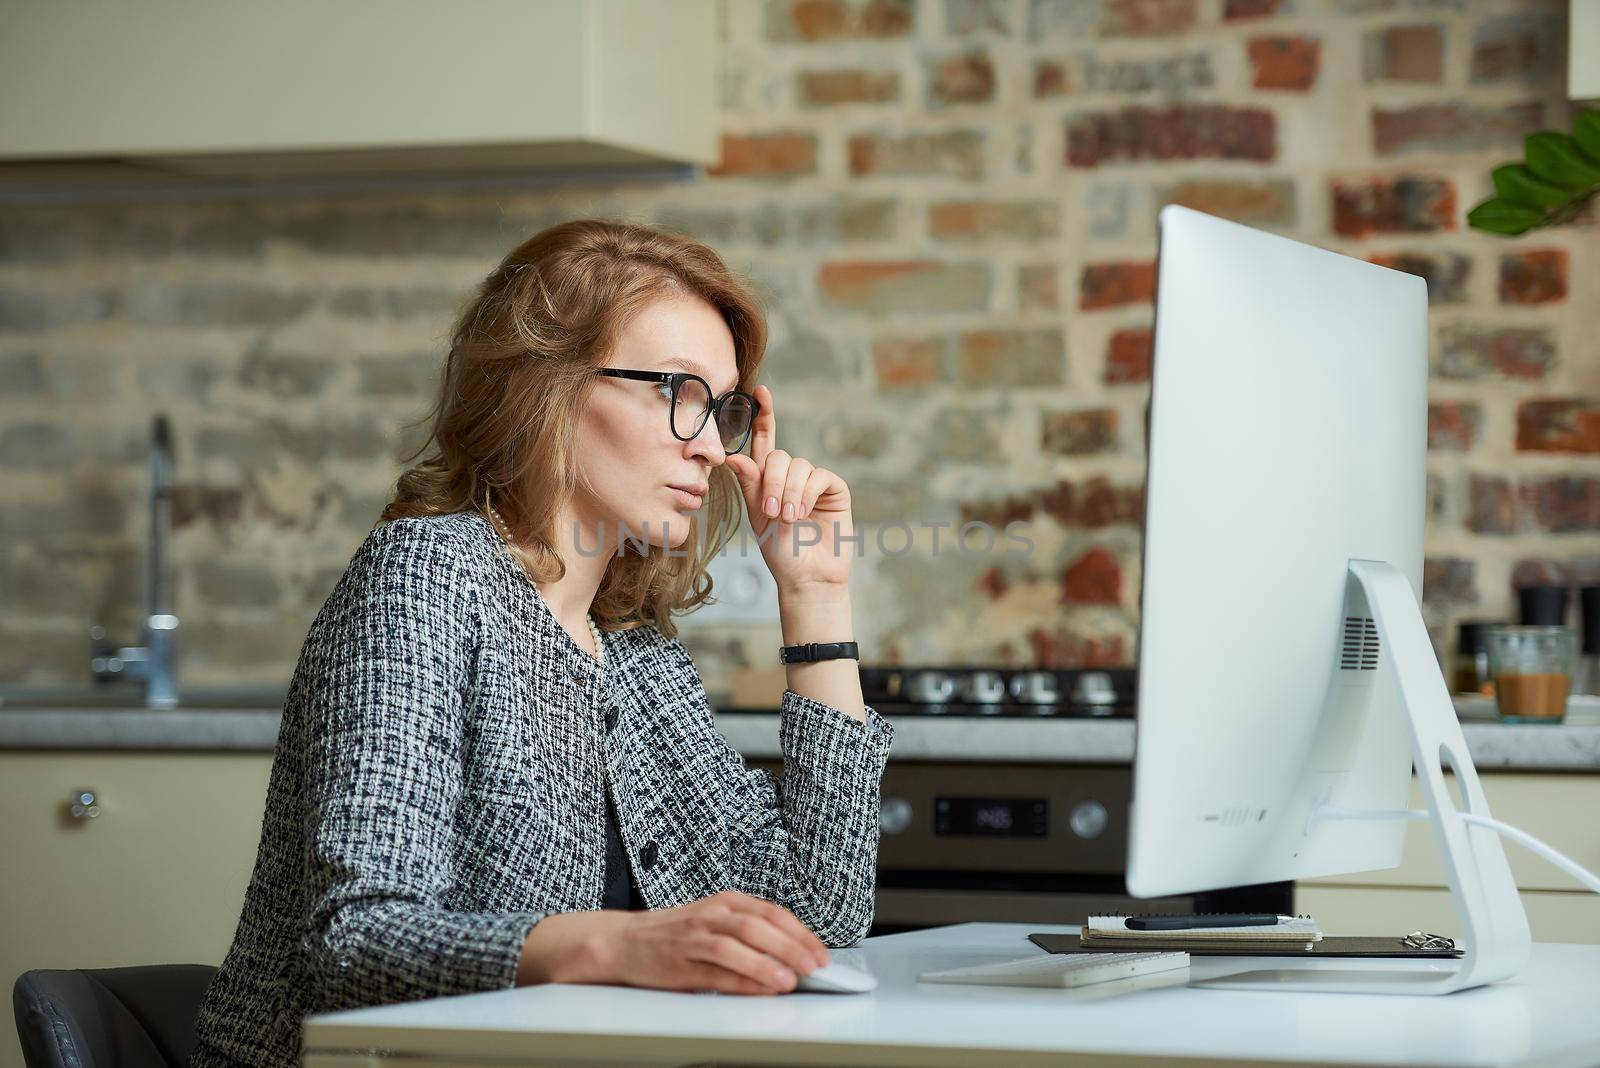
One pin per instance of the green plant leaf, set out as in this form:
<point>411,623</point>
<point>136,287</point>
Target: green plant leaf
<point>1499,216</point>
<point>1557,158</point>
<point>1587,130</point>
<point>1517,184</point>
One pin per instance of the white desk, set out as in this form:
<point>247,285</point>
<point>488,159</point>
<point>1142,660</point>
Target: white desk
<point>1547,1016</point>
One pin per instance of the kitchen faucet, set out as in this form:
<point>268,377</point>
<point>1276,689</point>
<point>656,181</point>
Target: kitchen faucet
<point>152,662</point>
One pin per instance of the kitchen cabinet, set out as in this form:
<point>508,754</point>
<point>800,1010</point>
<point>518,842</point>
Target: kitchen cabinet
<point>157,877</point>
<point>1558,808</point>
<point>299,86</point>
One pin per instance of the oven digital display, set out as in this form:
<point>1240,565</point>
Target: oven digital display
<point>989,817</point>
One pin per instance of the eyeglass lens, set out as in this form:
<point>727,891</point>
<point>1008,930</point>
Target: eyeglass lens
<point>691,407</point>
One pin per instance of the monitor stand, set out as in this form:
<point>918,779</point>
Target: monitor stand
<point>1494,927</point>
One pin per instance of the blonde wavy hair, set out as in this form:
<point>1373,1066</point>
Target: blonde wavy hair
<point>505,420</point>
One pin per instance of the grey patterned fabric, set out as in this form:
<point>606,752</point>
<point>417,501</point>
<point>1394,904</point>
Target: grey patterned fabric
<point>439,787</point>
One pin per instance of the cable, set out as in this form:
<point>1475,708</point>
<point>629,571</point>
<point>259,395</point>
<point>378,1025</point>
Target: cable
<point>1523,838</point>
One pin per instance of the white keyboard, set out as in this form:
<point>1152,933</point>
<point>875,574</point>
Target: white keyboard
<point>1062,969</point>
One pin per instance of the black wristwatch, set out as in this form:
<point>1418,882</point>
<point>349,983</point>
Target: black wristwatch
<point>813,651</point>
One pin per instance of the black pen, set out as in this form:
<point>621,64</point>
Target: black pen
<point>1185,923</point>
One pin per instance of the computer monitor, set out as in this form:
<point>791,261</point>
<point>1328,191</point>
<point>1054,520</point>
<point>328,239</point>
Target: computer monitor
<point>1287,683</point>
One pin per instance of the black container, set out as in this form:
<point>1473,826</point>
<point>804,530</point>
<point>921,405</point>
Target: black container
<point>1543,606</point>
<point>1472,657</point>
<point>1589,607</point>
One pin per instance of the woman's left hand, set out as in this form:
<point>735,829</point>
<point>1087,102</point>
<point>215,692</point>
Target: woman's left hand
<point>809,505</point>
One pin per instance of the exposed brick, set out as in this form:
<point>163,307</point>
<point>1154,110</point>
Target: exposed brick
<point>25,310</point>
<point>37,237</point>
<point>1260,203</point>
<point>1050,78</point>
<point>1146,18</point>
<point>1453,127</point>
<point>1449,580</point>
<point>1284,61</point>
<point>1453,426</point>
<point>774,155</point>
<point>996,513</point>
<point>39,446</point>
<point>1079,433</point>
<point>1089,73</point>
<point>963,435</point>
<point>1492,508</point>
<point>1059,647</point>
<point>1106,285</point>
<point>1233,10</point>
<point>1093,578</point>
<point>1520,47</point>
<point>218,505</point>
<point>235,585</point>
<point>1128,356</point>
<point>1181,131</point>
<point>1446,272</point>
<point>1438,492</point>
<point>1093,504</point>
<point>952,153</point>
<point>1404,54</point>
<point>1038,287</point>
<point>380,230</point>
<point>905,286</point>
<point>967,78</point>
<point>1558,504</point>
<point>286,375</point>
<point>1537,276</point>
<point>410,375</point>
<point>992,583</point>
<point>832,20</point>
<point>1012,358</point>
<point>1069,18</point>
<point>964,220</point>
<point>21,375</point>
<point>1393,206</point>
<point>1467,351</point>
<point>962,17</point>
<point>1562,504</point>
<point>1089,505</point>
<point>824,88</point>
<point>188,378</point>
<point>1564,424</point>
<point>788,221</point>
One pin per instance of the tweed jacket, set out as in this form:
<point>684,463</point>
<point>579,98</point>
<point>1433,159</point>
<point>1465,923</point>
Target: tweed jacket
<point>438,788</point>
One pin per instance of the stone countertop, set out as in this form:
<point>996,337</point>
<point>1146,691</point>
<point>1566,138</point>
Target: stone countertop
<point>1571,746</point>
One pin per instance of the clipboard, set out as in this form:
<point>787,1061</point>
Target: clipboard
<point>1329,946</point>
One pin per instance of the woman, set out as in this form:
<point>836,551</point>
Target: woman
<point>497,764</point>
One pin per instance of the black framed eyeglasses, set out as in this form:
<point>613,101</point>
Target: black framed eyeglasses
<point>692,404</point>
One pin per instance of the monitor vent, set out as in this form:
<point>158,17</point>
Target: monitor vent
<point>1360,652</point>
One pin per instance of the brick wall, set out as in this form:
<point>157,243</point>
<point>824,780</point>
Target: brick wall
<point>949,207</point>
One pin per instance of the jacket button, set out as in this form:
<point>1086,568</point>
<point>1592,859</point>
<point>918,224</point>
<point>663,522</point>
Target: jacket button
<point>647,855</point>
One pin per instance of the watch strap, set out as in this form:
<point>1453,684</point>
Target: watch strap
<point>810,652</point>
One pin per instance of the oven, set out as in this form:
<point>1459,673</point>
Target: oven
<point>1018,841</point>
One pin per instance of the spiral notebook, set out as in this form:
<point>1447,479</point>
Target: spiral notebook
<point>1108,929</point>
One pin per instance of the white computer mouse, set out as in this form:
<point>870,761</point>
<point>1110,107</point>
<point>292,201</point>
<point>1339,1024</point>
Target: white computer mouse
<point>836,979</point>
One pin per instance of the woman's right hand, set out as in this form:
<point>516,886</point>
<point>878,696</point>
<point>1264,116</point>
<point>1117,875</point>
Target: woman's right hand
<point>730,942</point>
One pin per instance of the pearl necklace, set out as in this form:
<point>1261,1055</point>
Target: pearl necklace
<point>594,628</point>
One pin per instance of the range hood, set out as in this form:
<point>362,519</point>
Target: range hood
<point>196,88</point>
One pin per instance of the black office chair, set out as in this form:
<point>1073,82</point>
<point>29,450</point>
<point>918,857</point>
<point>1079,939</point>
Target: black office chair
<point>140,1017</point>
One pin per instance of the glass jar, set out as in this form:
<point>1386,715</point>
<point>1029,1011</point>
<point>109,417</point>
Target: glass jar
<point>1472,658</point>
<point>1532,669</point>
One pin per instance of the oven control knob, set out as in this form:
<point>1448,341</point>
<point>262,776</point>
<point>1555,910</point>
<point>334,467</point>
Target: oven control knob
<point>894,815</point>
<point>1088,819</point>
